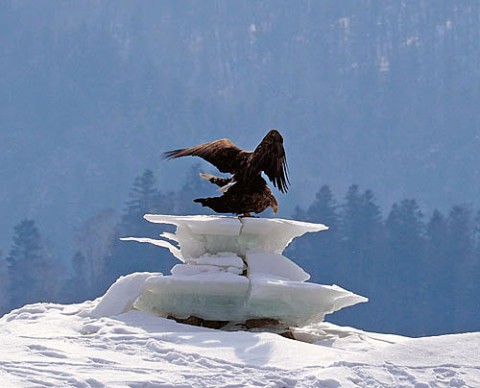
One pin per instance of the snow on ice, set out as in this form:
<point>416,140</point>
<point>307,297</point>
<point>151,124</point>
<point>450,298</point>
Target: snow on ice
<point>215,252</point>
<point>123,339</point>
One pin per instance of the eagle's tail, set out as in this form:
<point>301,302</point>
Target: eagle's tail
<point>206,202</point>
<point>200,200</point>
<point>217,204</point>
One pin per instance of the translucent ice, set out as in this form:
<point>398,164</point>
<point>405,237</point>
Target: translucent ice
<point>218,296</point>
<point>228,297</point>
<point>215,251</point>
<point>198,235</point>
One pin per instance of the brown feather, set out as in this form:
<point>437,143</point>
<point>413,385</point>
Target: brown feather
<point>240,199</point>
<point>223,154</point>
<point>250,193</point>
<point>269,157</point>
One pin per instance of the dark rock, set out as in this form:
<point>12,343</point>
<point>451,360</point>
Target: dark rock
<point>196,321</point>
<point>257,323</point>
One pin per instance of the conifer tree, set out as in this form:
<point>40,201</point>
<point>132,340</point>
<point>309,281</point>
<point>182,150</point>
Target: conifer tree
<point>93,241</point>
<point>371,244</point>
<point>320,251</point>
<point>461,233</point>
<point>194,187</point>
<point>77,287</point>
<point>474,274</point>
<point>3,285</point>
<point>362,240</point>
<point>128,257</point>
<point>406,245</point>
<point>25,265</point>
<point>406,233</point>
<point>351,222</point>
<point>438,276</point>
<point>363,236</point>
<point>460,250</point>
<point>143,199</point>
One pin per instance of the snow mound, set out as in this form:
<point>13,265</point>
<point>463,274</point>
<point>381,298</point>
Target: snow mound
<point>121,295</point>
<point>50,345</point>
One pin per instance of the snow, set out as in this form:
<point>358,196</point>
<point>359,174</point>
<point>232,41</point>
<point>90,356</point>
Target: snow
<point>274,264</point>
<point>45,345</point>
<point>121,296</point>
<point>124,339</point>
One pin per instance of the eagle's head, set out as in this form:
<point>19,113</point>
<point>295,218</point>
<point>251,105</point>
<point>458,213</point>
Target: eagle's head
<point>274,136</point>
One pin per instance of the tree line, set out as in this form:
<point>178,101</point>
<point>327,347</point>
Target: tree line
<point>420,273</point>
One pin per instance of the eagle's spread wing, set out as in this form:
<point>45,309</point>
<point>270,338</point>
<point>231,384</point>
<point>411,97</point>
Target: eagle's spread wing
<point>223,154</point>
<point>269,156</point>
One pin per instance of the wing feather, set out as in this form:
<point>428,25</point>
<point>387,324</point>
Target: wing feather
<point>269,157</point>
<point>223,154</point>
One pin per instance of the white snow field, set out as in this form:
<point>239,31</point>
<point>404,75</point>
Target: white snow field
<point>105,343</point>
<point>124,340</point>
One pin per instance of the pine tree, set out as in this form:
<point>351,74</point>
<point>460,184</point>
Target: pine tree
<point>321,250</point>
<point>362,252</point>
<point>3,285</point>
<point>406,233</point>
<point>362,236</point>
<point>194,187</point>
<point>50,272</point>
<point>474,275</point>
<point>26,262</point>
<point>406,243</point>
<point>77,288</point>
<point>371,244</point>
<point>461,233</point>
<point>94,241</point>
<point>128,257</point>
<point>143,199</point>
<point>351,223</point>
<point>438,277</point>
<point>460,250</point>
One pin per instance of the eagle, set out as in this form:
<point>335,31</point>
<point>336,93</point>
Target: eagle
<point>246,191</point>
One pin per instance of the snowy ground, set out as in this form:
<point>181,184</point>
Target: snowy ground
<point>109,343</point>
<point>47,345</point>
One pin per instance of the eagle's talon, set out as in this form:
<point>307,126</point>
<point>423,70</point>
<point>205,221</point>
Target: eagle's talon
<point>206,176</point>
<point>226,187</point>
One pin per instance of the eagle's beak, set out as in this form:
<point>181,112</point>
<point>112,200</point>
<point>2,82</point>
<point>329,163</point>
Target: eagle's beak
<point>275,208</point>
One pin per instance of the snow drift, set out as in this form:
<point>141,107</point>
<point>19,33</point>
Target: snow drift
<point>105,343</point>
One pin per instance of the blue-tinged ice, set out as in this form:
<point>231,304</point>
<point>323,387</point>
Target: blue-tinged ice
<point>232,269</point>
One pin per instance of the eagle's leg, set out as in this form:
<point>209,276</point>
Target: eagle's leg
<point>246,215</point>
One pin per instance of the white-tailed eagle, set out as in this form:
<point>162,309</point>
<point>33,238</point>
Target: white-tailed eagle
<point>246,191</point>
